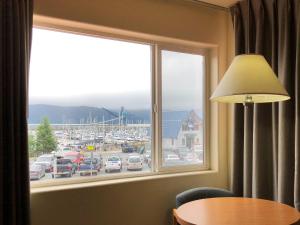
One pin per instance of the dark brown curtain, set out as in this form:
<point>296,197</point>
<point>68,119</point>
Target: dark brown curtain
<point>15,39</point>
<point>266,140</point>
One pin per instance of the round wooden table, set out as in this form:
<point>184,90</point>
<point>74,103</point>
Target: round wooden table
<point>236,211</point>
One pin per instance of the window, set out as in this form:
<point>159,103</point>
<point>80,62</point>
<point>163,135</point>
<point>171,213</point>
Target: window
<point>182,107</point>
<point>91,108</point>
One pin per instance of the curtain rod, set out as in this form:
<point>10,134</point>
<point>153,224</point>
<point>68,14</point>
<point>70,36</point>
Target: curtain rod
<point>199,2</point>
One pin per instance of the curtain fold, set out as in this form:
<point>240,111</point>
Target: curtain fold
<point>266,155</point>
<point>15,41</point>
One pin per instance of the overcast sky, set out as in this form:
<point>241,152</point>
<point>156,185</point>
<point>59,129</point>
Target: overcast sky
<point>75,70</point>
<point>182,81</point>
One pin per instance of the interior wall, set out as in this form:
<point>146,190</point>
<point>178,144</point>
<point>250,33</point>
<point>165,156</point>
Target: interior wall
<point>145,202</point>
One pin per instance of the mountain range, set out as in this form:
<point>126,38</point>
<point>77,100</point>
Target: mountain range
<point>83,114</point>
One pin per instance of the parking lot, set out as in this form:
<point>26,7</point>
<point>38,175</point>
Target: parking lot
<point>104,156</point>
<point>124,158</point>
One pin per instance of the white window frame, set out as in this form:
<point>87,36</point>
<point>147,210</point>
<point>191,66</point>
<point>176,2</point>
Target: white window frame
<point>158,77</point>
<point>157,44</point>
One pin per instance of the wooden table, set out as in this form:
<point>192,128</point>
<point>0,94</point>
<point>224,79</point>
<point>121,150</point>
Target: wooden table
<point>235,211</point>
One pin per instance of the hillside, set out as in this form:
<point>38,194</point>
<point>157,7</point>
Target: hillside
<point>82,114</point>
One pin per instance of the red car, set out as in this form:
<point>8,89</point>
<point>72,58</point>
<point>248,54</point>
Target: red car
<point>75,157</point>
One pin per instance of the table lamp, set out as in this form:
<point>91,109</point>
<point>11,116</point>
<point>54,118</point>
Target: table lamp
<point>249,79</point>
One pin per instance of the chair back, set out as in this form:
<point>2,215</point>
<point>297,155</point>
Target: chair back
<point>201,193</point>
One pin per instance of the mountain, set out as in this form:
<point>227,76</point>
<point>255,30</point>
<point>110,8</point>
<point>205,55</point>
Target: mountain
<point>82,114</point>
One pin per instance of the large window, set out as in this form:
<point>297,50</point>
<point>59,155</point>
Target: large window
<point>93,103</point>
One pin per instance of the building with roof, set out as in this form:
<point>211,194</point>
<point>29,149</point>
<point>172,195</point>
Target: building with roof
<point>181,129</point>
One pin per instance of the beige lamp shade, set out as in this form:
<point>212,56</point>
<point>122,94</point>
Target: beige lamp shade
<point>249,78</point>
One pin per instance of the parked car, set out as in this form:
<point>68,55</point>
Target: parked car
<point>100,159</point>
<point>113,163</point>
<point>127,148</point>
<point>172,159</point>
<point>134,163</point>
<point>147,156</point>
<point>36,171</point>
<point>47,160</point>
<point>198,149</point>
<point>65,148</point>
<point>183,152</point>
<point>89,166</point>
<point>192,158</point>
<point>75,157</point>
<point>64,167</point>
<point>149,163</point>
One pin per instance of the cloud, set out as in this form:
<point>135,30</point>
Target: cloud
<point>76,70</point>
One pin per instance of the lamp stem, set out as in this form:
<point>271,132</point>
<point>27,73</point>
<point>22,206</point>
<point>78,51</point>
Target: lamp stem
<point>248,100</point>
<point>247,104</point>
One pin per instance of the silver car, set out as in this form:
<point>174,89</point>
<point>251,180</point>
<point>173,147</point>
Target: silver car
<point>47,160</point>
<point>113,163</point>
<point>36,171</point>
<point>134,163</point>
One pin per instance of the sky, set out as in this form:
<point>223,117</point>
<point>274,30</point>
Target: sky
<point>77,70</point>
<point>182,81</point>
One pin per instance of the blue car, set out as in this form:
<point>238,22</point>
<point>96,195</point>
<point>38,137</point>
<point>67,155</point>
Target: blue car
<point>127,148</point>
<point>89,167</point>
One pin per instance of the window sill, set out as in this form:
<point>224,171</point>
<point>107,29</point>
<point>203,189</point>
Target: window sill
<point>149,176</point>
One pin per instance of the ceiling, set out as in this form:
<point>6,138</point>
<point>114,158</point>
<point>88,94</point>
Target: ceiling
<point>222,3</point>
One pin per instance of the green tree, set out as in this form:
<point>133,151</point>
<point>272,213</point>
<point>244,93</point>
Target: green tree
<point>45,140</point>
<point>31,145</point>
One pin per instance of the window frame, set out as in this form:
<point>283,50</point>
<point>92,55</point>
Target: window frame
<point>189,50</point>
<point>157,44</point>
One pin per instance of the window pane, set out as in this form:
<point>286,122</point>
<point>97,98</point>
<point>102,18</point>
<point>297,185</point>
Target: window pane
<point>182,108</point>
<point>90,101</point>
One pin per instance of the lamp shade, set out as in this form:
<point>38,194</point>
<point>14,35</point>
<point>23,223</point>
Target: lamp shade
<point>249,78</point>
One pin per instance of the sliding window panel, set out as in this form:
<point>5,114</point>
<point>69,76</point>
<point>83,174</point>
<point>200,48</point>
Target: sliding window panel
<point>182,109</point>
